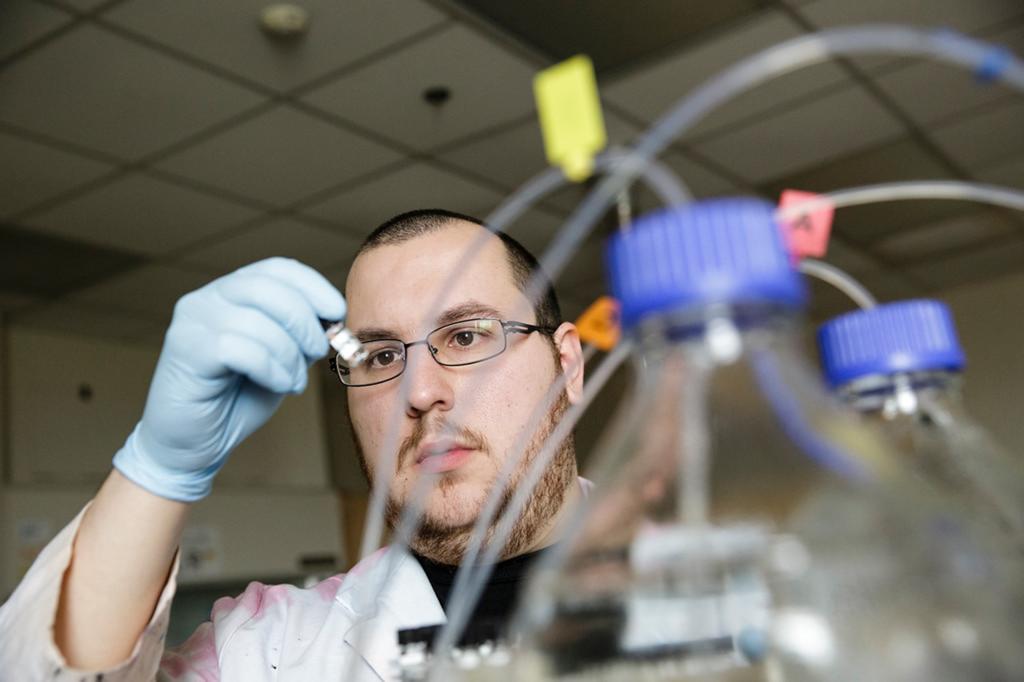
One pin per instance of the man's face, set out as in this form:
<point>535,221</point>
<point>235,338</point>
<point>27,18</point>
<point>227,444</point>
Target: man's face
<point>473,413</point>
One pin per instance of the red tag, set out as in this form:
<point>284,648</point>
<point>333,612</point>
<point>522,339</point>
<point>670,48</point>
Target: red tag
<point>806,230</point>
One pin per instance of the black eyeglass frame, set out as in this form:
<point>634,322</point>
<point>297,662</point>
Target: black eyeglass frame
<point>507,327</point>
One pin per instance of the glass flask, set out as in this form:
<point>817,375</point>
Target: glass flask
<point>744,526</point>
<point>901,366</point>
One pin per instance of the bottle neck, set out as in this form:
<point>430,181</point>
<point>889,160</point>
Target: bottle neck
<point>721,332</point>
<point>891,395</point>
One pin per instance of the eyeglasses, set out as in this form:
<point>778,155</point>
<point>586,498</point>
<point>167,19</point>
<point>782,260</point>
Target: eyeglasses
<point>466,342</point>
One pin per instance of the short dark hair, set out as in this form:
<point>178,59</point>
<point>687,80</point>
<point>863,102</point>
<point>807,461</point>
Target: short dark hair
<point>523,264</point>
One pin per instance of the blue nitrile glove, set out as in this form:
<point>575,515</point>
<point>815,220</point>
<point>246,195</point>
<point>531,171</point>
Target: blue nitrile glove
<point>234,348</point>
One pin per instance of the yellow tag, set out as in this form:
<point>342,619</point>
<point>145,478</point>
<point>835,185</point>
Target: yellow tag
<point>599,324</point>
<point>570,116</point>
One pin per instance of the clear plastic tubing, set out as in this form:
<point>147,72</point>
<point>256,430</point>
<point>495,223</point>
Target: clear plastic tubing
<point>518,450</point>
<point>788,56</point>
<point>470,580</point>
<point>658,177</point>
<point>661,180</point>
<point>840,280</point>
<point>799,52</point>
<point>763,66</point>
<point>1007,197</point>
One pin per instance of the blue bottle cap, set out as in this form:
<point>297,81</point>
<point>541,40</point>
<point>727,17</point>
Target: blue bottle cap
<point>906,336</point>
<point>714,251</point>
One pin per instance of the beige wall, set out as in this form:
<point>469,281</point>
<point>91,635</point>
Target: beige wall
<point>273,504</point>
<point>56,436</point>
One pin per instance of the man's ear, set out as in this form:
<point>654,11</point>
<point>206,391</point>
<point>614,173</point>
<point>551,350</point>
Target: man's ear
<point>570,355</point>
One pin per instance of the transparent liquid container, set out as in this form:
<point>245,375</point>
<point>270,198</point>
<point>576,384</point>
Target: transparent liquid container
<point>742,526</point>
<point>901,366</point>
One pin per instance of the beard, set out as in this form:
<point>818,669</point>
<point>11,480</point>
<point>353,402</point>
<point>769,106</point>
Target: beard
<point>445,542</point>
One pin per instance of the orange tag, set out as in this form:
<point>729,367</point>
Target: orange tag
<point>806,230</point>
<point>599,324</point>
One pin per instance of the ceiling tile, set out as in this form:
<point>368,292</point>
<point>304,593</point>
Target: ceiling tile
<point>84,320</point>
<point>99,90</point>
<point>1011,37</point>
<point>583,277</point>
<point>849,258</point>
<point>228,34</point>
<point>317,247</point>
<point>48,266</point>
<point>31,172</point>
<point>509,157</point>
<point>946,235</point>
<point>513,156</point>
<point>868,223</point>
<point>412,187</point>
<point>567,198</point>
<point>891,161</point>
<point>149,292</point>
<point>698,178</point>
<point>930,92</point>
<point>142,214</point>
<point>701,181</point>
<point>280,157</point>
<point>23,22</point>
<point>11,301</point>
<point>535,230</point>
<point>488,86</point>
<point>967,17</point>
<point>985,138</point>
<point>826,301</point>
<point>810,134</point>
<point>695,177</point>
<point>1008,172</point>
<point>903,159</point>
<point>890,285</point>
<point>955,14</point>
<point>984,263</point>
<point>81,5</point>
<point>650,92</point>
<point>607,31</point>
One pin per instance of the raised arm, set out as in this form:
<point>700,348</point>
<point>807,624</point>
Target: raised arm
<point>233,350</point>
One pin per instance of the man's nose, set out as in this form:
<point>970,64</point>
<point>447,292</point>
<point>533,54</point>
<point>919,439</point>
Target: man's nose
<point>429,385</point>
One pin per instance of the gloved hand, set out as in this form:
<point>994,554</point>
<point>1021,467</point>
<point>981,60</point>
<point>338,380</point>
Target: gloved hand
<point>234,348</point>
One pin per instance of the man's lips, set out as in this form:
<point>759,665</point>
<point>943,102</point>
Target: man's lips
<point>439,457</point>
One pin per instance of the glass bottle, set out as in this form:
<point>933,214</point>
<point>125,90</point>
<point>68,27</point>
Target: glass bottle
<point>743,526</point>
<point>901,366</point>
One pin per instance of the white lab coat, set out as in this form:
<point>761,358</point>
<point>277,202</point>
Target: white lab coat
<point>345,628</point>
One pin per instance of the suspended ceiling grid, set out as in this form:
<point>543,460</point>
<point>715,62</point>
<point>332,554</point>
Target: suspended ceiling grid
<point>146,146</point>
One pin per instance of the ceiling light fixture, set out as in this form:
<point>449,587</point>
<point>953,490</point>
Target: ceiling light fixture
<point>284,21</point>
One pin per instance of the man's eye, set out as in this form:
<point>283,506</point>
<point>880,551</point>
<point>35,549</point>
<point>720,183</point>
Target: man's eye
<point>383,358</point>
<point>464,338</point>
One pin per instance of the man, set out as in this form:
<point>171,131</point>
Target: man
<point>234,348</point>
